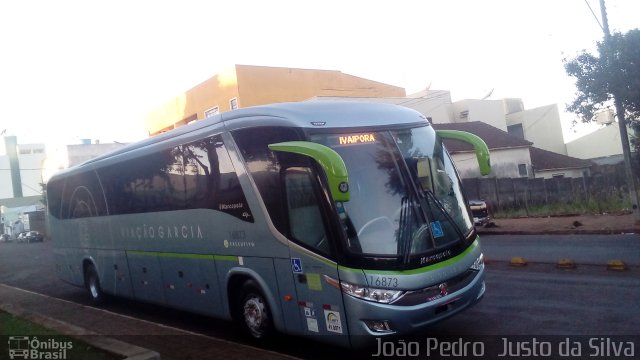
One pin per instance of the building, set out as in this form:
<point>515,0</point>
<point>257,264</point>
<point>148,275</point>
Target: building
<point>541,126</point>
<point>24,168</point>
<point>66,156</point>
<point>514,129</point>
<point>511,156</point>
<point>602,146</point>
<point>491,112</point>
<point>548,164</point>
<point>245,85</point>
<point>20,169</point>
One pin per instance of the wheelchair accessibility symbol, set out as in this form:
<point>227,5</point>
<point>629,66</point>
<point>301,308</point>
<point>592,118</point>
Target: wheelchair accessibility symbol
<point>436,229</point>
<point>296,265</point>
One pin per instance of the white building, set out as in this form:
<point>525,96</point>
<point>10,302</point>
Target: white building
<point>523,142</point>
<point>490,112</point>
<point>26,170</point>
<point>603,146</point>
<point>510,157</point>
<point>541,126</point>
<point>66,156</point>
<point>34,164</point>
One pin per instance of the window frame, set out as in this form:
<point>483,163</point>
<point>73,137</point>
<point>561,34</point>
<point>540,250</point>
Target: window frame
<point>526,170</point>
<point>214,110</point>
<point>315,188</point>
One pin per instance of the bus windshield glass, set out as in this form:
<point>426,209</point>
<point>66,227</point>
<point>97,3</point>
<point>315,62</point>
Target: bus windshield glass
<point>406,198</point>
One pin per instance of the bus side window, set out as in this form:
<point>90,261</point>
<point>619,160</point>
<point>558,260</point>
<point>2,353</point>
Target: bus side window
<point>305,218</point>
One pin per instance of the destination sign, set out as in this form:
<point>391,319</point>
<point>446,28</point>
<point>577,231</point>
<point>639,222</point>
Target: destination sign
<point>356,139</point>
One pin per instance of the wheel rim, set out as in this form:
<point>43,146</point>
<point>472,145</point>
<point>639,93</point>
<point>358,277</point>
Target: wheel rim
<point>255,315</point>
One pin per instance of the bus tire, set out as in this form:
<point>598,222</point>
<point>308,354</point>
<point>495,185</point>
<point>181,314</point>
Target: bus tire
<point>254,316</point>
<point>92,283</point>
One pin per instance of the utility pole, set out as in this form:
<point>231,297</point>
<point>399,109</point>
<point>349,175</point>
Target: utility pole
<point>622,123</point>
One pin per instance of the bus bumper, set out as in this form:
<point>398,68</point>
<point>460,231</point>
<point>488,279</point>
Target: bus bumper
<point>407,320</point>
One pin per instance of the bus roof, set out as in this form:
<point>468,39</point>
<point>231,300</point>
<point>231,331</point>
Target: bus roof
<point>308,114</point>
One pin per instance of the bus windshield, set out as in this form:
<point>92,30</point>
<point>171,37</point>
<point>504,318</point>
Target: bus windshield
<point>406,198</point>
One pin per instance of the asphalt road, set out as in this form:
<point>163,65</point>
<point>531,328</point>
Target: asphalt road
<point>538,299</point>
<point>583,249</point>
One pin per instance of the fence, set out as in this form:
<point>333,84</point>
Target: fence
<point>596,193</point>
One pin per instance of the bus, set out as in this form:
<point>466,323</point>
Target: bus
<point>19,347</point>
<point>314,218</point>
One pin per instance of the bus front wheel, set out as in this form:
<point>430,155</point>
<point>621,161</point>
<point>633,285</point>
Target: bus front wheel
<point>92,282</point>
<point>253,311</point>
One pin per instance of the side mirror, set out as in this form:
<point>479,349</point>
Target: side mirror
<point>480,147</point>
<point>329,160</point>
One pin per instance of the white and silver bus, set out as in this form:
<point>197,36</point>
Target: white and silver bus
<point>314,218</point>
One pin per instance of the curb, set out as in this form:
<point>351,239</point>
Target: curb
<point>71,319</point>
<point>562,263</point>
<point>518,261</point>
<point>557,232</point>
<point>566,263</point>
<point>112,346</point>
<point>616,265</point>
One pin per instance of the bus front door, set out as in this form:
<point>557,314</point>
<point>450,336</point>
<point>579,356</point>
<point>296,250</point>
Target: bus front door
<point>320,304</point>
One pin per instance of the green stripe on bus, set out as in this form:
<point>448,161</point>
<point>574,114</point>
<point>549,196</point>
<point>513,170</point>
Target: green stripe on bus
<point>421,270</point>
<point>225,257</point>
<point>184,256</point>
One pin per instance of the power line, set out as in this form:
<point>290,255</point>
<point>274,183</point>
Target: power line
<point>594,14</point>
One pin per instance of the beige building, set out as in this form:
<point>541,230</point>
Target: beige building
<point>540,125</point>
<point>245,85</point>
<point>487,111</point>
<point>602,146</point>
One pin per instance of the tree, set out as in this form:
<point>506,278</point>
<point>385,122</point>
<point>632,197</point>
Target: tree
<point>615,70</point>
<point>613,77</point>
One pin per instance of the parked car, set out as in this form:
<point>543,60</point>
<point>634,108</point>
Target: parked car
<point>34,236</point>
<point>480,212</point>
<point>30,236</point>
<point>22,237</point>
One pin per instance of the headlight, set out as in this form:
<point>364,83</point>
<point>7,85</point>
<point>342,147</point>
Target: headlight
<point>478,264</point>
<point>384,296</point>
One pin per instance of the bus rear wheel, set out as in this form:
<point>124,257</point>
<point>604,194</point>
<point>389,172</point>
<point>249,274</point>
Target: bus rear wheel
<point>92,283</point>
<point>253,311</point>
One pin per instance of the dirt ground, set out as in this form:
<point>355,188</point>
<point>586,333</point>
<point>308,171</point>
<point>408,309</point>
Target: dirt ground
<point>580,224</point>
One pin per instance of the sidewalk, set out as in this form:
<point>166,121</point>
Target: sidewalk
<point>579,224</point>
<point>127,337</point>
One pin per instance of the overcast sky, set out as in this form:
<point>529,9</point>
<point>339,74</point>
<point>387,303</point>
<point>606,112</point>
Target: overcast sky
<point>92,69</point>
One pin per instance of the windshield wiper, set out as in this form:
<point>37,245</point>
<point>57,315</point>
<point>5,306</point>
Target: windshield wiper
<point>440,206</point>
<point>406,224</point>
<point>428,194</point>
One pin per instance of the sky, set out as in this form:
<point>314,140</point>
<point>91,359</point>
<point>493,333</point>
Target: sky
<point>72,70</point>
